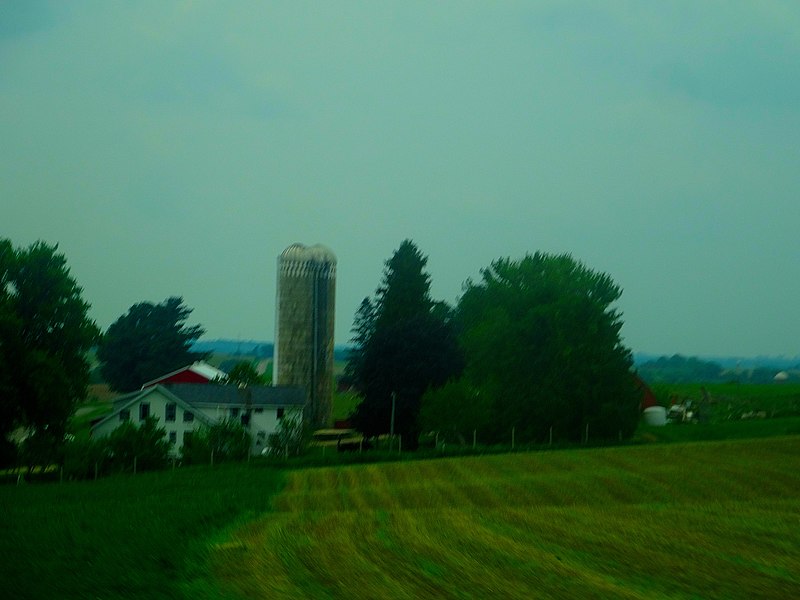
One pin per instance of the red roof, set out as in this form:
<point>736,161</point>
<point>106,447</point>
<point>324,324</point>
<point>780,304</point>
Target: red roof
<point>199,372</point>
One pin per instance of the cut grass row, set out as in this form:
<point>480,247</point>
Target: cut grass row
<point>707,520</point>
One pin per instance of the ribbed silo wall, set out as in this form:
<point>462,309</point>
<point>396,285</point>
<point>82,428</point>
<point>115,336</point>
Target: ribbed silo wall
<point>305,323</point>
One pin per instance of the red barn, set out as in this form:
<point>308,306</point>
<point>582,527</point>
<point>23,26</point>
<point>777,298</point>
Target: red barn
<point>648,397</point>
<point>199,372</point>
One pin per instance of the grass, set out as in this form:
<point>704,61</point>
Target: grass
<point>729,401</point>
<point>724,430</point>
<point>678,520</point>
<point>703,520</point>
<point>124,537</point>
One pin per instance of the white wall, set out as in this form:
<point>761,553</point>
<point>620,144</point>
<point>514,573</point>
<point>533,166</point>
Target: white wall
<point>158,408</point>
<point>265,422</point>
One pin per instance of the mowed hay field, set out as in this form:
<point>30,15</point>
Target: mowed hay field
<point>695,520</point>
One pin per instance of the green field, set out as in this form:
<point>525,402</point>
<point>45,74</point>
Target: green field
<point>681,520</point>
<point>144,537</point>
<point>707,520</point>
<point>729,401</point>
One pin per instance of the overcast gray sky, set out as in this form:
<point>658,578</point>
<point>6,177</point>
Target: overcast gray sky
<point>176,148</point>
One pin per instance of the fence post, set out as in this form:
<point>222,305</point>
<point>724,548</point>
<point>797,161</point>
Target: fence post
<point>474,438</point>
<point>551,435</point>
<point>586,441</point>
<point>436,443</point>
<point>212,457</point>
<point>513,435</point>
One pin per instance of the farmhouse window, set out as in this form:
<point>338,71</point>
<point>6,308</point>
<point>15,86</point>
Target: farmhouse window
<point>234,413</point>
<point>125,415</point>
<point>173,437</point>
<point>188,416</point>
<point>144,410</point>
<point>245,419</point>
<point>259,411</point>
<point>170,411</point>
<point>280,413</point>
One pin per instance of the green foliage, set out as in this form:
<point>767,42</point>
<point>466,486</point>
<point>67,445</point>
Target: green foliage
<point>146,442</point>
<point>227,440</point>
<point>455,411</point>
<point>543,350</point>
<point>83,455</point>
<point>404,344</point>
<point>45,335</point>
<point>85,458</point>
<point>244,373</point>
<point>290,439</point>
<point>148,341</point>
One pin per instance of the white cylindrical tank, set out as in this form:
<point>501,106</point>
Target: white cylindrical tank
<point>655,415</point>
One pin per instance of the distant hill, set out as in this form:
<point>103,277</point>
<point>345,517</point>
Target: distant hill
<point>681,369</point>
<point>651,367</point>
<point>256,348</point>
<point>731,362</point>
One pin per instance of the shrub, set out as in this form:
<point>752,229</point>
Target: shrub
<point>290,438</point>
<point>228,440</point>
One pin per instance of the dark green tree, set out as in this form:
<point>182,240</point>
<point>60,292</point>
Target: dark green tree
<point>543,348</point>
<point>244,373</point>
<point>45,335</point>
<point>404,344</point>
<point>148,341</point>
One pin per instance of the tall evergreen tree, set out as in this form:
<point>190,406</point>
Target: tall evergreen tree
<point>146,342</point>
<point>404,344</point>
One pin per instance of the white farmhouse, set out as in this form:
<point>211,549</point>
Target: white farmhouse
<point>183,408</point>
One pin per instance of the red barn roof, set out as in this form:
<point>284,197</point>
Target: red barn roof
<point>199,372</point>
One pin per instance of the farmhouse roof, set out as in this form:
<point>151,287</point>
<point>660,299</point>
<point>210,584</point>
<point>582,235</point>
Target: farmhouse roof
<point>201,368</point>
<point>231,395</point>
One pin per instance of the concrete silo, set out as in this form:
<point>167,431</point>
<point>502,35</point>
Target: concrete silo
<point>304,321</point>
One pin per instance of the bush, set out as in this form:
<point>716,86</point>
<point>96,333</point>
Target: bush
<point>228,440</point>
<point>83,456</point>
<point>146,443</point>
<point>290,439</point>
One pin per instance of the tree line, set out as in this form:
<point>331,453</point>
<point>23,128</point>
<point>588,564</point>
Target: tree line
<point>533,346</point>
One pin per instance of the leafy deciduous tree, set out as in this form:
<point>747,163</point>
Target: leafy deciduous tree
<point>543,346</point>
<point>45,335</point>
<point>146,342</point>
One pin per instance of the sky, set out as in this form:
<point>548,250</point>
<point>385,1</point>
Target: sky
<point>176,148</point>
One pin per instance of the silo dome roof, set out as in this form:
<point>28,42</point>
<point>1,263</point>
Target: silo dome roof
<point>316,253</point>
